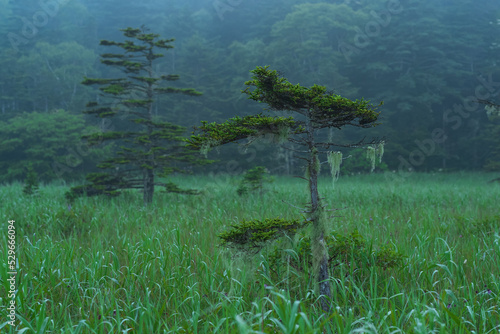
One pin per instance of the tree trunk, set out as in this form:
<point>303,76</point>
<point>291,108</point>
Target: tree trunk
<point>149,187</point>
<point>319,248</point>
<point>149,177</point>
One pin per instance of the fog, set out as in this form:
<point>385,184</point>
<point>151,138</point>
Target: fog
<point>429,62</point>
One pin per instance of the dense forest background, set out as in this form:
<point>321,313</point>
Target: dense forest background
<point>429,61</point>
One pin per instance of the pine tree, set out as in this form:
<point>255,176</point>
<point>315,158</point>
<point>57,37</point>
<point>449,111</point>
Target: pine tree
<point>317,109</point>
<point>31,183</point>
<point>148,146</point>
<point>253,180</point>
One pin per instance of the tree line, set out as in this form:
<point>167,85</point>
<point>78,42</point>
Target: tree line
<point>404,53</point>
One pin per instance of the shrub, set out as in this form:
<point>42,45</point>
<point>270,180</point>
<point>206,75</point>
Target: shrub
<point>485,225</point>
<point>31,181</point>
<point>351,249</point>
<point>253,180</point>
<point>72,221</point>
<point>51,141</point>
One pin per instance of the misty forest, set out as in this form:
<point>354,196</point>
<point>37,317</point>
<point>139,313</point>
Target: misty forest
<point>230,166</point>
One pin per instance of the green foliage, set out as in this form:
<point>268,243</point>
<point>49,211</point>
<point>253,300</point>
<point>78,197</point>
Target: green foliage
<point>253,235</point>
<point>351,249</point>
<point>71,222</point>
<point>149,147</point>
<point>328,110</point>
<point>253,180</point>
<point>320,109</point>
<point>31,181</point>
<point>145,257</point>
<point>48,141</point>
<point>171,187</point>
<point>50,73</point>
<point>307,29</point>
<point>237,128</point>
<point>389,257</point>
<point>185,91</point>
<point>99,184</point>
<point>486,225</point>
<point>315,42</point>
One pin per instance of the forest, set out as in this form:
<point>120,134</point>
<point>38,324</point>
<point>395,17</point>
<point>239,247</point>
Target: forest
<point>230,166</point>
<point>429,64</point>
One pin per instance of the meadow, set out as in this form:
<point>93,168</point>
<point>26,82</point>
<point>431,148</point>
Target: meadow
<point>109,265</point>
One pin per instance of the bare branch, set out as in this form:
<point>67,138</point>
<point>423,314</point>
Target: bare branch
<point>489,103</point>
<point>293,150</point>
<point>337,209</point>
<point>361,143</point>
<point>292,205</point>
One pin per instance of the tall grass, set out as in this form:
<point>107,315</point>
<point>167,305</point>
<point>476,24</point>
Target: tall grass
<point>105,265</point>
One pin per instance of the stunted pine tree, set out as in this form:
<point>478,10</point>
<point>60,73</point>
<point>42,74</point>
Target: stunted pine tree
<point>148,147</point>
<point>316,109</point>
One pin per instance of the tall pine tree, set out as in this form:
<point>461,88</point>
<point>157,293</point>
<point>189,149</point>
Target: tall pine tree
<point>148,147</point>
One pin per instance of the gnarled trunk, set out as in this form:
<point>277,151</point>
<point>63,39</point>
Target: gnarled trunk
<point>319,248</point>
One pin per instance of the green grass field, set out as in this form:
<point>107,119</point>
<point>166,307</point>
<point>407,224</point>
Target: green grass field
<point>111,266</point>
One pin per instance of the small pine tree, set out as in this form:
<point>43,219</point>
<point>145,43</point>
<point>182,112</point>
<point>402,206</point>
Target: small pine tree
<point>317,109</point>
<point>253,180</point>
<point>31,181</point>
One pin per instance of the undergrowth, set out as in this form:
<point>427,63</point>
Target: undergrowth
<point>418,254</point>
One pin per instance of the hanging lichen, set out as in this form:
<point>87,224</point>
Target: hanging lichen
<point>283,134</point>
<point>371,156</point>
<point>492,112</point>
<point>372,152</point>
<point>330,135</point>
<point>275,136</point>
<point>208,145</point>
<point>319,248</point>
<point>204,149</point>
<point>334,160</point>
<point>317,163</point>
<point>380,151</point>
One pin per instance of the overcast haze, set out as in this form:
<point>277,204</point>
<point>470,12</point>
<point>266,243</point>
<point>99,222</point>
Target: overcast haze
<point>428,61</point>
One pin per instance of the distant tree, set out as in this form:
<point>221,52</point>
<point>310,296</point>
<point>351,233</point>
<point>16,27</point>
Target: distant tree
<point>51,76</point>
<point>423,80</point>
<point>31,182</point>
<point>50,142</point>
<point>198,60</point>
<point>318,109</point>
<point>313,56</point>
<point>253,180</point>
<point>149,147</point>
